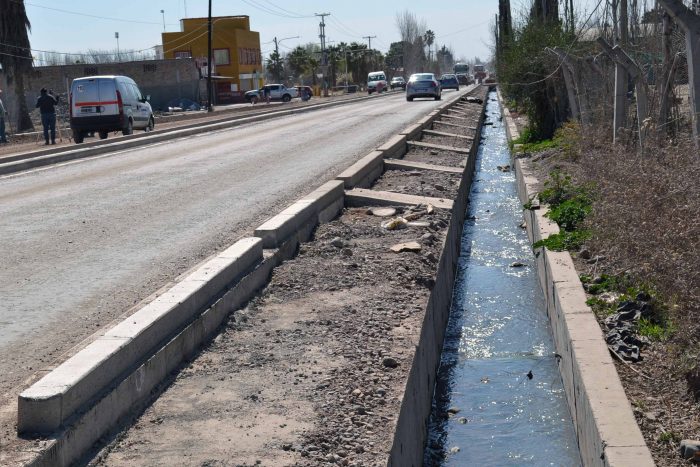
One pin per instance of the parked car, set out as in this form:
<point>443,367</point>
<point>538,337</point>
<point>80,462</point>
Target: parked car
<point>304,91</point>
<point>449,81</point>
<point>108,103</point>
<point>423,85</point>
<point>397,82</point>
<point>278,92</point>
<point>376,81</point>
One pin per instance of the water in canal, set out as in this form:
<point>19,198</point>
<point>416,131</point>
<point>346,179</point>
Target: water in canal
<point>499,399</point>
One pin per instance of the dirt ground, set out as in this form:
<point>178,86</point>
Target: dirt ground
<point>313,370</point>
<point>421,182</point>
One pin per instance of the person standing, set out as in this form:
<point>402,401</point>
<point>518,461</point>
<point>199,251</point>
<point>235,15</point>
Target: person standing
<point>3,112</point>
<point>46,103</point>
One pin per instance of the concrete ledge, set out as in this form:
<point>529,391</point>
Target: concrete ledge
<point>451,135</point>
<point>394,147</point>
<point>420,144</point>
<point>606,429</point>
<point>397,164</point>
<point>364,172</point>
<point>139,387</point>
<point>277,229</point>
<point>412,131</point>
<point>363,197</point>
<point>52,401</point>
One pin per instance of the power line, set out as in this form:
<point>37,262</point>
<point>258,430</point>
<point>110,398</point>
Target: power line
<point>270,11</point>
<point>108,18</point>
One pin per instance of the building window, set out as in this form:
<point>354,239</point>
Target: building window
<point>183,54</point>
<point>222,57</point>
<point>90,71</point>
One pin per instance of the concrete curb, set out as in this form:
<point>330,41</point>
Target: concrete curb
<point>28,161</point>
<point>52,402</point>
<point>606,429</point>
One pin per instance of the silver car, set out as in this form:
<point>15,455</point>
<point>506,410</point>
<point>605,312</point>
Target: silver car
<point>423,85</point>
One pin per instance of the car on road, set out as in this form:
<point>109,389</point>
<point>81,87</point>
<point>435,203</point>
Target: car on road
<point>305,92</point>
<point>101,104</point>
<point>376,81</point>
<point>449,81</point>
<point>278,92</point>
<point>423,85</point>
<point>397,82</point>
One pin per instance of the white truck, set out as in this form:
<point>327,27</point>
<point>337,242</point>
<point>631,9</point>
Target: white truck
<point>277,92</point>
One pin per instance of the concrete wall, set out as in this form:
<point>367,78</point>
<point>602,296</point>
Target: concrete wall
<point>607,432</point>
<point>411,429</point>
<point>164,80</point>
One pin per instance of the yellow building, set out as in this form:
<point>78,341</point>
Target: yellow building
<point>237,62</point>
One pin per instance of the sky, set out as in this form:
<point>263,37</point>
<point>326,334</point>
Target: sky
<point>79,25</point>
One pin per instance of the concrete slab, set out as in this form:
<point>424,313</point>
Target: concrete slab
<point>394,147</point>
<point>363,172</point>
<point>443,133</point>
<point>440,147</point>
<point>363,197</point>
<point>398,164</point>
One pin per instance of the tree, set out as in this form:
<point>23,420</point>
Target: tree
<point>275,64</point>
<point>15,54</point>
<point>429,39</point>
<point>297,60</point>
<point>411,32</point>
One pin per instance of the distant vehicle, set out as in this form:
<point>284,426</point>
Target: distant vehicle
<point>108,103</point>
<point>460,68</point>
<point>449,81</point>
<point>376,81</point>
<point>397,82</point>
<point>423,85</point>
<point>464,78</point>
<point>479,73</point>
<point>278,92</point>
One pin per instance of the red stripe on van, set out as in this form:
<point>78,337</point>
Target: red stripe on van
<point>91,104</point>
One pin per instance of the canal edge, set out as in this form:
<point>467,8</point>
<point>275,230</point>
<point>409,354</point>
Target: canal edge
<point>606,429</point>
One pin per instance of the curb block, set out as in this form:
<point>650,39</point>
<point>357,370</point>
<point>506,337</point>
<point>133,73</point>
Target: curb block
<point>52,401</point>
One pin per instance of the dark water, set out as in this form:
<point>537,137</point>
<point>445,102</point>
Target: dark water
<point>499,367</point>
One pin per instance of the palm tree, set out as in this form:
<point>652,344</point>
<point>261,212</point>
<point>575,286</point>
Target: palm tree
<point>298,60</point>
<point>428,39</point>
<point>15,54</point>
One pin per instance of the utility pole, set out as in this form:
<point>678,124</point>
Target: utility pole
<point>369,46</point>
<point>209,89</point>
<point>116,36</point>
<point>277,52</point>
<point>162,12</point>
<point>324,57</point>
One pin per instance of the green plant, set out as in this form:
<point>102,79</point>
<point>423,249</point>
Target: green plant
<point>669,437</point>
<point>654,331</point>
<point>570,214</point>
<point>564,240</point>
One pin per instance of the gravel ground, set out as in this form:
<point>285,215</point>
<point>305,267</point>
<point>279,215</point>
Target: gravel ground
<point>420,182</point>
<point>313,370</point>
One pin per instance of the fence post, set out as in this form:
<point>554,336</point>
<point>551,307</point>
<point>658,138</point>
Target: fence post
<point>690,23</point>
<point>620,57</point>
<point>569,74</point>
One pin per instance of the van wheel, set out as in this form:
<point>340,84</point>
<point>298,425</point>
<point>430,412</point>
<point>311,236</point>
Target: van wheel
<point>129,128</point>
<point>437,98</point>
<point>286,98</point>
<point>150,125</point>
<point>104,134</point>
<point>77,136</point>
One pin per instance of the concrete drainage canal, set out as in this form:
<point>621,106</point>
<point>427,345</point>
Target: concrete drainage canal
<point>499,398</point>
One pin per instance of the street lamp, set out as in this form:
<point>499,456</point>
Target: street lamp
<point>116,36</point>
<point>162,12</point>
<point>277,50</point>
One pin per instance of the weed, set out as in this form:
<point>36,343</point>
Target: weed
<point>570,214</point>
<point>670,437</point>
<point>564,240</point>
<point>653,330</point>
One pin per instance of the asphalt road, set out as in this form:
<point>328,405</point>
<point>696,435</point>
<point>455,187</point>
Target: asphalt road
<point>85,242</point>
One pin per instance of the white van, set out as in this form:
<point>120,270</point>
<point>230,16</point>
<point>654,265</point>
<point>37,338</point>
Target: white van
<point>376,81</point>
<point>108,103</point>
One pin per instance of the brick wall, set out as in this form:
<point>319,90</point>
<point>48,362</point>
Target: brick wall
<point>166,81</point>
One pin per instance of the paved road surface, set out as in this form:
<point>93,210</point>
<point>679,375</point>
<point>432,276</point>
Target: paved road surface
<point>84,242</point>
